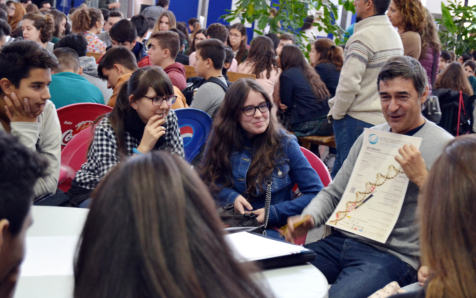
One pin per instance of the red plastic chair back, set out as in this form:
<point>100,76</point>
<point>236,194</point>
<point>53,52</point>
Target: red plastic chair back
<point>73,157</point>
<point>322,171</point>
<point>318,166</point>
<point>77,117</point>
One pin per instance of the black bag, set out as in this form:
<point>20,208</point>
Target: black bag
<point>232,219</point>
<point>194,83</point>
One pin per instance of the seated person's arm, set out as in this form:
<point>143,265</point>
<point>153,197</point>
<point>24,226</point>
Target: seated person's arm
<point>286,92</point>
<point>412,164</point>
<point>307,180</point>
<point>173,139</point>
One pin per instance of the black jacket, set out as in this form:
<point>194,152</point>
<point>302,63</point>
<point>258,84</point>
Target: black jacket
<point>329,75</point>
<point>297,95</point>
<point>449,105</point>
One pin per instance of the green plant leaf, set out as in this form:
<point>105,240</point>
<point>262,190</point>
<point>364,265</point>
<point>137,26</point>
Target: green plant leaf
<point>447,19</point>
<point>263,22</point>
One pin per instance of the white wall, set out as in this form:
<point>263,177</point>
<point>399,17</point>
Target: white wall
<point>434,5</point>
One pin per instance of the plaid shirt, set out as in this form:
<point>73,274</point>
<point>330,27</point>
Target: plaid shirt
<point>103,154</point>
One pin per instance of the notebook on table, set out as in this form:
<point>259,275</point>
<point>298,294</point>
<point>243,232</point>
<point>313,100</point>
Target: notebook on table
<point>268,253</point>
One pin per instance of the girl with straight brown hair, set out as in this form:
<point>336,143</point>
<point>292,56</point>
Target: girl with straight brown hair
<point>262,63</point>
<point>446,211</point>
<point>153,231</point>
<point>303,95</point>
<point>237,40</point>
<point>165,22</point>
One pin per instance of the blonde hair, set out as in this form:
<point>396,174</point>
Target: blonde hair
<point>172,22</point>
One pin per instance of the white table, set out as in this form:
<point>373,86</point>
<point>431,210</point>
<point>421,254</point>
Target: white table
<point>48,267</point>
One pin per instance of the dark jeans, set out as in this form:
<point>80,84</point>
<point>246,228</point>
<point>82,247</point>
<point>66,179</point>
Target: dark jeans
<point>346,131</point>
<point>356,269</point>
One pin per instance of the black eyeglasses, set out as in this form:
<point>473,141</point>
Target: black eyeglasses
<point>251,110</point>
<point>157,101</point>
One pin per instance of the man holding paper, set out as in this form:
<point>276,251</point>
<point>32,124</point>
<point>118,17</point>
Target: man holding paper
<point>351,259</point>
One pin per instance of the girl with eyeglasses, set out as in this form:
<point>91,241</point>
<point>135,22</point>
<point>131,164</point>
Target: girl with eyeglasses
<point>140,122</point>
<point>248,152</point>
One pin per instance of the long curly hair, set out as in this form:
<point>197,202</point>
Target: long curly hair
<point>44,23</point>
<point>413,13</point>
<point>262,57</point>
<point>227,135</point>
<point>429,37</point>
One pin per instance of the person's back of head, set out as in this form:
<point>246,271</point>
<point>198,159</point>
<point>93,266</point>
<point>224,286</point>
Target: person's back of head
<point>274,38</point>
<point>163,3</point>
<point>74,41</point>
<point>217,31</point>
<point>151,23</point>
<point>192,21</point>
<point>167,40</point>
<point>105,13</point>
<point>453,78</point>
<point>123,33</point>
<point>181,37</point>
<point>445,210</point>
<point>85,18</point>
<point>141,24</point>
<point>20,168</point>
<point>3,11</point>
<point>143,251</point>
<point>19,58</point>
<point>31,8</point>
<point>214,50</point>
<point>45,4</point>
<point>262,56</point>
<point>328,53</point>
<point>68,60</point>
<point>117,55</point>
<point>5,31</point>
<point>229,55</point>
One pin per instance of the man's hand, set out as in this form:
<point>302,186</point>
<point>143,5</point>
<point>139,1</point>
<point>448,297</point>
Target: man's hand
<point>240,204</point>
<point>282,106</point>
<point>422,275</point>
<point>412,164</point>
<point>293,233</point>
<point>18,112</point>
<point>114,5</point>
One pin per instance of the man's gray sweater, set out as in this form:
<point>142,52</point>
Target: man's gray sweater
<point>404,241</point>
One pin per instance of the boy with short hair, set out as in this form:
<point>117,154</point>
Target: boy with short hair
<point>285,39</point>
<point>124,34</point>
<point>163,49</point>
<point>20,169</point>
<point>209,64</point>
<point>181,58</point>
<point>116,67</point>
<point>113,18</point>
<point>142,27</point>
<point>67,80</point>
<point>79,44</point>
<point>25,109</point>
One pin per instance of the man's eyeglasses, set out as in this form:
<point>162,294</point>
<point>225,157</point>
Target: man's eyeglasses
<point>157,101</point>
<point>251,110</point>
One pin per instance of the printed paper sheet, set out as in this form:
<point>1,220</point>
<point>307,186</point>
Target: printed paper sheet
<point>374,196</point>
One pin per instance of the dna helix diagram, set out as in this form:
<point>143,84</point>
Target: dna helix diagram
<point>392,172</point>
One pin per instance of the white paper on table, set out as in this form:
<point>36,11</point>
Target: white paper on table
<point>47,256</point>
<point>249,247</point>
<point>376,174</point>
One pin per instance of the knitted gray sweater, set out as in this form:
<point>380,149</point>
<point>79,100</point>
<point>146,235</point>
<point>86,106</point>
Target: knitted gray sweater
<point>404,241</point>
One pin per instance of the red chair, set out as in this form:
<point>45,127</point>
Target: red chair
<point>77,117</point>
<point>322,171</point>
<point>73,157</point>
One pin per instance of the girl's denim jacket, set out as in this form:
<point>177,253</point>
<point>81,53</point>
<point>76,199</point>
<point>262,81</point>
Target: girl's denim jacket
<point>289,170</point>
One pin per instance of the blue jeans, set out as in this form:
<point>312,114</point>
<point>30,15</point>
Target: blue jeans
<point>356,269</point>
<point>346,131</point>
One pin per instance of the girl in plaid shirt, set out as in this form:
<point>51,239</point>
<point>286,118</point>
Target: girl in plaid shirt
<point>141,121</point>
